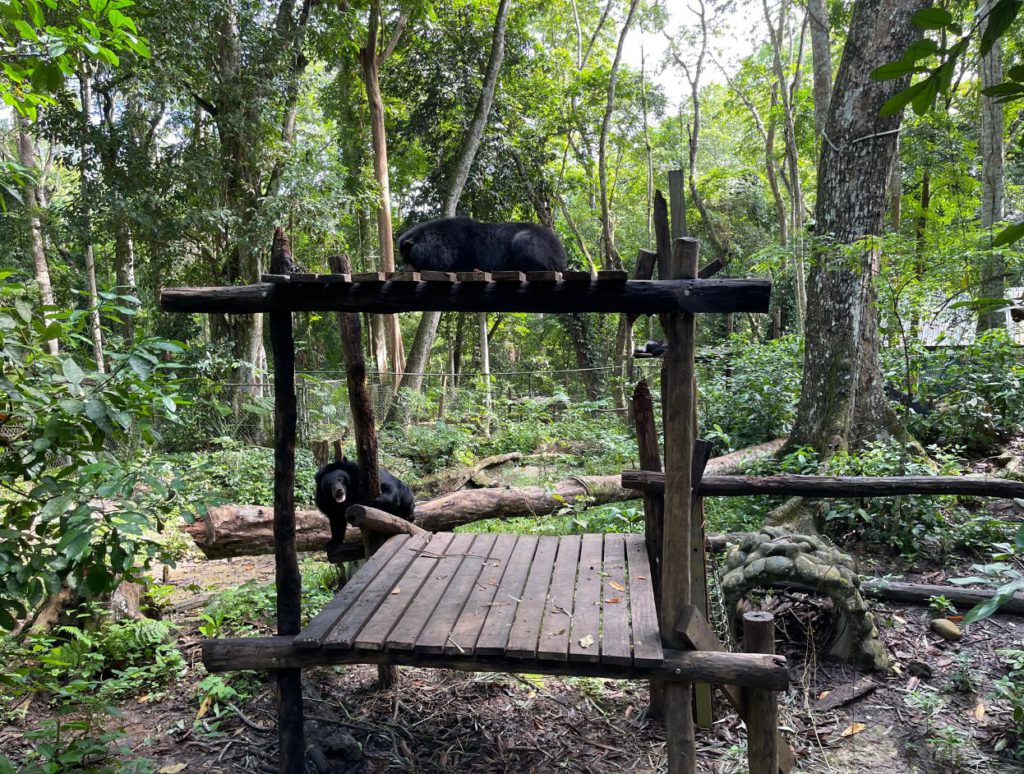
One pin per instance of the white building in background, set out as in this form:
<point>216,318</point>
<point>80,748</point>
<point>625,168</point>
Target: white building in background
<point>953,325</point>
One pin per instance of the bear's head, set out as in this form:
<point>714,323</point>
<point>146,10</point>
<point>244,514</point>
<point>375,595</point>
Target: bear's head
<point>338,483</point>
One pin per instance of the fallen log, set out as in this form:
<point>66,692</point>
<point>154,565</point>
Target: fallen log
<point>832,486</point>
<point>380,522</point>
<point>245,530</point>
<point>446,481</point>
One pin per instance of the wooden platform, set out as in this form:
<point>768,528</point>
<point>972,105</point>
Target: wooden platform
<point>577,598</point>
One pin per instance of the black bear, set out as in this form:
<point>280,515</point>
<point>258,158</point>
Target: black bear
<point>341,484</point>
<point>651,349</point>
<point>464,244</point>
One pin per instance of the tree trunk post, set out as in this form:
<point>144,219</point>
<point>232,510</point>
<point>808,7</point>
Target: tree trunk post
<point>677,202</point>
<point>654,511</point>
<point>762,706</point>
<point>680,434</point>
<point>289,583</point>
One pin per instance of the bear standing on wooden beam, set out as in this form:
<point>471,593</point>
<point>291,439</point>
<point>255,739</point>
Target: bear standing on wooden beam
<point>340,485</point>
<point>463,244</point>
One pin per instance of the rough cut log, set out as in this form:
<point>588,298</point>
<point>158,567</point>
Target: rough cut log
<point>380,522</point>
<point>245,530</point>
<point>446,481</point>
<point>639,296</point>
<point>921,593</point>
<point>753,670</point>
<point>832,486</point>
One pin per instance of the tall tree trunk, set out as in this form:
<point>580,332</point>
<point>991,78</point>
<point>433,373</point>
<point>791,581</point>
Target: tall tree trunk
<point>842,402</point>
<point>821,61</point>
<point>920,228</point>
<point>419,353</point>
<point>95,331</point>
<point>124,266</point>
<point>648,158</point>
<point>612,260</point>
<point>992,283</point>
<point>33,203</point>
<point>371,62</point>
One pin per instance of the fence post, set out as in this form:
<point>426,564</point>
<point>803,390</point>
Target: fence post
<point>762,706</point>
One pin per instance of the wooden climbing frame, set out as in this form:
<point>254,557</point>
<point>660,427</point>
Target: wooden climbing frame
<point>576,605</point>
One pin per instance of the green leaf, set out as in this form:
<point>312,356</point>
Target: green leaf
<point>97,579</point>
<point>24,308</point>
<point>72,372</point>
<point>924,99</point>
<point>920,49</point>
<point>932,18</point>
<point>72,406</point>
<point>901,99</point>
<point>1003,88</point>
<point>1000,18</point>
<point>887,72</point>
<point>1009,235</point>
<point>36,13</point>
<point>97,412</point>
<point>1016,73</point>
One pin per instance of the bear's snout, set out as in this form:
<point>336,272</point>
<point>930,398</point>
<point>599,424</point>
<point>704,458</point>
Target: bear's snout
<point>339,493</point>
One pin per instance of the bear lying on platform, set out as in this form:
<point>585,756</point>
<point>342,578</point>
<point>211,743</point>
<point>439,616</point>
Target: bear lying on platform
<point>464,244</point>
<point>341,484</point>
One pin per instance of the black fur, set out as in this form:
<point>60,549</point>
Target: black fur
<point>463,244</point>
<point>345,480</point>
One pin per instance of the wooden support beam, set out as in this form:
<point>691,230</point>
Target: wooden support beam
<point>679,666</point>
<point>697,634</point>
<point>604,296</point>
<point>762,706</point>
<point>832,486</point>
<point>678,412</point>
<point>698,561</point>
<point>291,733</point>
<point>380,522</point>
<point>677,202</point>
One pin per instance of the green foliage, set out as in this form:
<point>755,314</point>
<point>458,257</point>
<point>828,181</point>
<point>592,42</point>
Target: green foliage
<point>75,512</point>
<point>1010,688</point>
<point>756,402</point>
<point>1003,572</point>
<point>42,42</point>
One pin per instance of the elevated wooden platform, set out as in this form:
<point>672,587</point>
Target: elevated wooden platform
<point>513,291</point>
<point>574,598</point>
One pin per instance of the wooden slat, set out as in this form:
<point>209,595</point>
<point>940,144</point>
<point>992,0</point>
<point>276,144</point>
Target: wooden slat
<point>586,609</point>
<point>335,279</point>
<point>369,277</point>
<point>615,645</point>
<point>508,276</point>
<point>348,627</point>
<point>440,277</point>
<point>577,276</point>
<point>276,279</point>
<point>471,620</point>
<point>473,276</point>
<point>612,275</point>
<point>543,277</point>
<point>304,277</point>
<point>646,635</point>
<point>404,276</point>
<point>522,639</point>
<point>313,635</point>
<point>435,634</point>
<point>403,637</point>
<point>379,626</point>
<point>494,634</point>
<point>553,644</point>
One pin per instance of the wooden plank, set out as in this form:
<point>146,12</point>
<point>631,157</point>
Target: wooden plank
<point>376,297</point>
<point>275,279</point>
<point>762,706</point>
<point>508,276</point>
<point>553,644</point>
<point>473,276</point>
<point>404,276</point>
<point>586,608</point>
<point>677,202</point>
<point>645,263</point>
<point>304,277</point>
<point>348,628</point>
<point>612,276</point>
<point>315,632</point>
<point>494,633</point>
<point>471,620</point>
<point>436,634</point>
<point>646,634</point>
<point>439,277</point>
<point>580,277</point>
<point>341,278</point>
<point>374,634</point>
<point>615,643</point>
<point>543,277</point>
<point>369,277</point>
<point>403,637</point>
<point>522,638</point>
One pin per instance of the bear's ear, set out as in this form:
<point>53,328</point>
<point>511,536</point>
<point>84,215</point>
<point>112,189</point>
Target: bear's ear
<point>344,458</point>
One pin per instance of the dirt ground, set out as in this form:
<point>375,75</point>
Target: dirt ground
<point>442,721</point>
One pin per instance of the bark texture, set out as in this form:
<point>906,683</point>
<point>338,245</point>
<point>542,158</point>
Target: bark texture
<point>842,403</point>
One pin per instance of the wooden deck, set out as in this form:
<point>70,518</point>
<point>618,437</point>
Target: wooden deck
<point>577,598</point>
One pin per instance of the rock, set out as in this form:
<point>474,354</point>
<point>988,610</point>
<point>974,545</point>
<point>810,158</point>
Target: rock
<point>732,580</point>
<point>753,569</point>
<point>778,566</point>
<point>945,629</point>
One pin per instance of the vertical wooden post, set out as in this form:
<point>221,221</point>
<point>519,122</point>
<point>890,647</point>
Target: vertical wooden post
<point>291,734</point>
<point>662,236</point>
<point>680,434</point>
<point>762,706</point>
<point>677,202</point>
<point>654,511</point>
<point>363,425</point>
